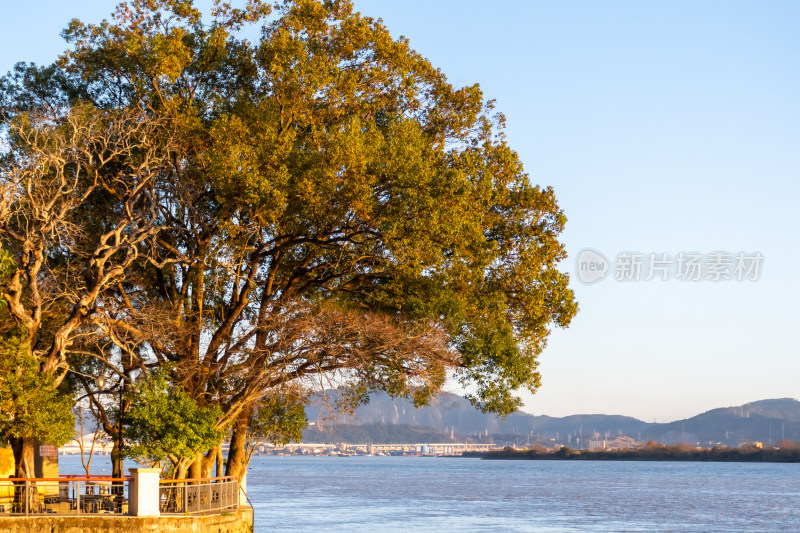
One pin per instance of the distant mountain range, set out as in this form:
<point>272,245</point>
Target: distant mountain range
<point>451,415</point>
<point>766,420</point>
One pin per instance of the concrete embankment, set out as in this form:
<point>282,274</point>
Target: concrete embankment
<point>240,521</point>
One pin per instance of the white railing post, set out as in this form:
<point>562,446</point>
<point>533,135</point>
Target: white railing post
<point>143,492</point>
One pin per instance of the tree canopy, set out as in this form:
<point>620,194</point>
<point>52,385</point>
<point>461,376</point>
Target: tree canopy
<point>166,424</point>
<point>319,204</point>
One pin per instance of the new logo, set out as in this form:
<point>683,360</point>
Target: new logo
<point>592,266</point>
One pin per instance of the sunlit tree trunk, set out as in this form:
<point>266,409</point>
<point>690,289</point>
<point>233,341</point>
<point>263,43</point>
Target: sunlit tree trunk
<point>208,461</point>
<point>181,470</point>
<point>116,461</point>
<point>196,468</point>
<point>22,448</point>
<point>23,456</point>
<point>237,455</point>
<point>220,462</point>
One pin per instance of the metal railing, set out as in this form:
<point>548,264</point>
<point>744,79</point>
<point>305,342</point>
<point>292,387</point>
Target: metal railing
<point>64,495</point>
<point>207,495</point>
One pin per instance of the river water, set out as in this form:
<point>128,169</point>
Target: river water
<point>437,494</point>
<point>394,494</point>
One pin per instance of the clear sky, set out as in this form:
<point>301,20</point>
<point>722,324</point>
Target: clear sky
<point>664,128</point>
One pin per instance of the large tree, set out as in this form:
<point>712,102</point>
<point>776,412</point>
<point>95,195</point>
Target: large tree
<point>75,212</point>
<point>331,209</point>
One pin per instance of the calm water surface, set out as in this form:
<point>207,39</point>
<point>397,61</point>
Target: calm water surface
<point>387,494</point>
<point>394,494</point>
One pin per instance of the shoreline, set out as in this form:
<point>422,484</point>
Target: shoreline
<point>659,453</point>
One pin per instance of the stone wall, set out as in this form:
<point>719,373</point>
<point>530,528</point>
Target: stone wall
<point>240,521</point>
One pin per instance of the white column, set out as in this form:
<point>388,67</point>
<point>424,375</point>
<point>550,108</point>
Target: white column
<point>243,491</point>
<point>143,493</point>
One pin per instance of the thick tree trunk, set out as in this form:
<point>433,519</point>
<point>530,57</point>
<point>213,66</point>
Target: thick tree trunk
<point>181,469</point>
<point>237,456</point>
<point>116,460</point>
<point>26,496</point>
<point>220,471</point>
<point>23,456</point>
<point>196,468</point>
<point>208,461</point>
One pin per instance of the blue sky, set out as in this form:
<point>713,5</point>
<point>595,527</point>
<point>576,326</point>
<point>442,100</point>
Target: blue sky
<point>663,127</point>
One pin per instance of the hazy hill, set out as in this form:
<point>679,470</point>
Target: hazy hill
<point>450,412</point>
<point>782,408</point>
<point>767,421</point>
<point>386,420</point>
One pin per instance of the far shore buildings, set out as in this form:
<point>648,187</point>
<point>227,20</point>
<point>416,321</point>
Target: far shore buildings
<point>102,446</point>
<point>617,443</point>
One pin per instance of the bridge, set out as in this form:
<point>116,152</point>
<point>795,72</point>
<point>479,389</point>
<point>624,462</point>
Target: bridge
<point>433,448</point>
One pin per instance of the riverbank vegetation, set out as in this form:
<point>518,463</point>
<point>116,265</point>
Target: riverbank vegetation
<point>784,452</point>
